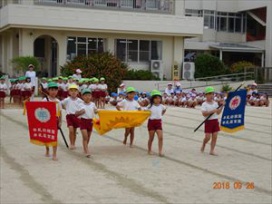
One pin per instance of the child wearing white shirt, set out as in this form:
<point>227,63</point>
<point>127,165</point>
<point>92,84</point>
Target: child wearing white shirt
<point>129,104</point>
<point>71,105</point>
<point>87,111</point>
<point>102,92</point>
<point>211,128</point>
<point>155,120</point>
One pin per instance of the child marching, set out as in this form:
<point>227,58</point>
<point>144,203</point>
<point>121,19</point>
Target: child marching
<point>155,120</point>
<point>71,105</point>
<point>3,92</point>
<point>129,104</point>
<point>87,111</point>
<point>211,128</point>
<point>52,96</point>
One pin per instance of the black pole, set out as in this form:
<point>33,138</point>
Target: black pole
<point>217,108</point>
<point>59,128</point>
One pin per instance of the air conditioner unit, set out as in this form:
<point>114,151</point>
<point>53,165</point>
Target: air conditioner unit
<point>188,70</point>
<point>156,67</point>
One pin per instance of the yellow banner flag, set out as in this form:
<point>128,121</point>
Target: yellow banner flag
<point>112,119</point>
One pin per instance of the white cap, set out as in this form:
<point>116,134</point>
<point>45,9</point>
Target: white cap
<point>170,84</point>
<point>254,84</point>
<point>122,84</point>
<point>178,84</point>
<point>78,71</point>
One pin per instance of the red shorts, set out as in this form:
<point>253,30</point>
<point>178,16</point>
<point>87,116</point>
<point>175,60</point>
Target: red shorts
<point>103,94</point>
<point>96,94</point>
<point>212,126</point>
<point>155,124</point>
<point>60,93</point>
<point>2,94</point>
<point>64,94</point>
<point>13,92</point>
<point>26,94</point>
<point>72,120</point>
<point>86,124</point>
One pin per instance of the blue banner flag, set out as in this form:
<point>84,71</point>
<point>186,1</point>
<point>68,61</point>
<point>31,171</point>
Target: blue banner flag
<point>234,112</point>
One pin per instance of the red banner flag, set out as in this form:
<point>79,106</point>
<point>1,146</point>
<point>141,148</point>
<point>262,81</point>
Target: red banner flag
<point>42,123</point>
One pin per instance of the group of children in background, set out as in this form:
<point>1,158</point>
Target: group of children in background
<point>98,87</point>
<point>81,98</point>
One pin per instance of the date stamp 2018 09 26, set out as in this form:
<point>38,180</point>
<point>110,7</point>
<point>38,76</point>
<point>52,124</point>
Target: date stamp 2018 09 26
<point>233,185</point>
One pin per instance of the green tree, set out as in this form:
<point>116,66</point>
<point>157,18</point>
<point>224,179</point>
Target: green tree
<point>21,63</point>
<point>241,66</point>
<point>207,65</point>
<point>98,65</point>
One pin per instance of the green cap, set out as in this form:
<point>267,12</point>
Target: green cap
<point>155,93</point>
<point>2,77</point>
<point>55,79</point>
<point>102,79</point>
<point>95,80</point>
<point>44,78</point>
<point>52,85</point>
<point>49,80</point>
<point>130,89</point>
<point>85,91</point>
<point>65,78</point>
<point>209,89</point>
<point>22,78</point>
<point>12,80</point>
<point>70,77</point>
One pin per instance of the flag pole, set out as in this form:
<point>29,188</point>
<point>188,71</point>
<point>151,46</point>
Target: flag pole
<point>46,96</point>
<point>217,108</point>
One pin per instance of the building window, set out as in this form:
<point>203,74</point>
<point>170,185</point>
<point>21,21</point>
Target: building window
<point>138,50</point>
<point>83,46</point>
<point>222,21</point>
<point>209,19</point>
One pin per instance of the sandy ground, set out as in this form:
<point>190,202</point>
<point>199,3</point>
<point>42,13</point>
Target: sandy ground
<point>118,174</point>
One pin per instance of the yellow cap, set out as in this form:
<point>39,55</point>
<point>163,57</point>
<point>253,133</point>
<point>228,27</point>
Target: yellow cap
<point>73,86</point>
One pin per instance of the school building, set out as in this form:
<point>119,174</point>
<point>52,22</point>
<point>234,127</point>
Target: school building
<point>233,30</point>
<point>147,34</point>
<point>136,31</point>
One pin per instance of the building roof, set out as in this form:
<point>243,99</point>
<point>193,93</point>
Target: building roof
<point>231,47</point>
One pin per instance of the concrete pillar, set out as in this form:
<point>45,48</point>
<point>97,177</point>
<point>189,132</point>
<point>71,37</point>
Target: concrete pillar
<point>179,7</point>
<point>3,42</point>
<point>9,67</point>
<point>178,46</point>
<point>110,45</point>
<point>62,51</point>
<point>26,42</point>
<point>221,55</point>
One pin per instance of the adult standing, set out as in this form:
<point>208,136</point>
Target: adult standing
<point>121,89</point>
<point>77,75</point>
<point>32,75</point>
<point>169,89</point>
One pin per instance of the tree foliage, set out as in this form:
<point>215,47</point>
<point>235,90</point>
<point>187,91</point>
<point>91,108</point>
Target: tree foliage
<point>207,65</point>
<point>98,65</point>
<point>21,63</point>
<point>241,66</point>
